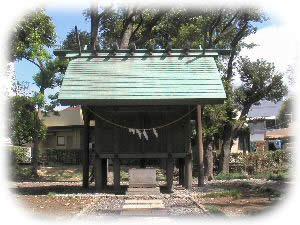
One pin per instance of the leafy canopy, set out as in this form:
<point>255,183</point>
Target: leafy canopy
<point>32,36</point>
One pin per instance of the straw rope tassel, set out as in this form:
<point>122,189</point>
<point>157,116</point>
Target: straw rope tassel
<point>145,129</point>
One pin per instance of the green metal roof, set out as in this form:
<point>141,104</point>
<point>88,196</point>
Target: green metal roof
<point>125,79</point>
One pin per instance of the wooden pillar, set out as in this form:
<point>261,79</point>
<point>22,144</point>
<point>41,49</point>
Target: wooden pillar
<point>188,177</point>
<point>117,186</point>
<point>170,174</point>
<point>98,174</point>
<point>85,149</point>
<point>104,171</point>
<point>188,162</point>
<point>143,163</point>
<point>181,170</point>
<point>200,146</point>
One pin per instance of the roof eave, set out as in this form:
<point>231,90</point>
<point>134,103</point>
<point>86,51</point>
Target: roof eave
<point>115,102</point>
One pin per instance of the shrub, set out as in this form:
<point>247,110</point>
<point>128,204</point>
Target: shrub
<point>263,161</point>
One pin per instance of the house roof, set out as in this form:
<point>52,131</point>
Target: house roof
<point>280,133</point>
<point>141,79</point>
<point>266,110</point>
<point>71,116</point>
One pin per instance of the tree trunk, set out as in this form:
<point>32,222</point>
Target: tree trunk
<point>36,142</point>
<point>209,162</point>
<point>225,150</point>
<point>128,28</point>
<point>95,17</point>
<point>200,146</point>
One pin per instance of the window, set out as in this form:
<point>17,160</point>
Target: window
<point>60,140</point>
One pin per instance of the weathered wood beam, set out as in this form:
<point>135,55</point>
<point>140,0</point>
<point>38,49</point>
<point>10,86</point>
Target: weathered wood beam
<point>170,174</point>
<point>104,171</point>
<point>117,186</point>
<point>181,170</point>
<point>140,155</point>
<point>188,161</point>
<point>99,184</point>
<point>200,146</point>
<point>85,155</point>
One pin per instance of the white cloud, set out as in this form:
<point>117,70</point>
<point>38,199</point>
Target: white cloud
<point>276,44</point>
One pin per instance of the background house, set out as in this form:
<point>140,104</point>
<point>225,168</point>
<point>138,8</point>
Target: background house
<point>262,118</point>
<point>64,139</point>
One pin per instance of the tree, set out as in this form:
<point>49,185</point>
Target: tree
<point>21,120</point>
<point>286,113</point>
<point>71,41</point>
<point>32,37</point>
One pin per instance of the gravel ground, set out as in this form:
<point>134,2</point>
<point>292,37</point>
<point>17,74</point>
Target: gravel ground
<point>68,198</point>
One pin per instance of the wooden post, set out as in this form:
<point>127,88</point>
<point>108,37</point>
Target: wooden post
<point>104,171</point>
<point>117,186</point>
<point>188,177</point>
<point>200,146</point>
<point>98,174</point>
<point>85,149</point>
<point>170,174</point>
<point>181,170</point>
<point>188,162</point>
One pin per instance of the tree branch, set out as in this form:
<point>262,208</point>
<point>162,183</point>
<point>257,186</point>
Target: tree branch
<point>33,62</point>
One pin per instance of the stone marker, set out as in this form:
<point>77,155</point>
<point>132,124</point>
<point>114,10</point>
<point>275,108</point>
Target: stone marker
<point>144,178</point>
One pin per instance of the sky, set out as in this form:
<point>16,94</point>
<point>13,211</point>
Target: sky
<point>270,37</point>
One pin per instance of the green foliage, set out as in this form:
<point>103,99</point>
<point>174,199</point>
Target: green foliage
<point>260,81</point>
<point>51,194</point>
<point>231,176</point>
<point>124,175</point>
<point>20,154</point>
<point>20,173</point>
<point>267,191</point>
<point>231,193</point>
<point>286,112</point>
<point>31,35</point>
<point>71,41</point>
<point>261,161</point>
<point>21,119</point>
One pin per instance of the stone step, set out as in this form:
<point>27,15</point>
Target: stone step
<point>148,212</point>
<point>143,201</point>
<point>143,206</point>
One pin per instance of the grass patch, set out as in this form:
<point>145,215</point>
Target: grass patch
<point>231,176</point>
<point>214,210</point>
<point>231,193</point>
<point>51,194</point>
<point>124,176</point>
<point>268,192</point>
<point>280,176</point>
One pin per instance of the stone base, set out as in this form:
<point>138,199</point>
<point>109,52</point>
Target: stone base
<point>138,207</point>
<point>143,191</point>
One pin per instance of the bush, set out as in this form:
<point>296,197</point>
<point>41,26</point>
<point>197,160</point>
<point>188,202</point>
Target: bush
<point>20,154</point>
<point>23,173</point>
<point>263,161</point>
